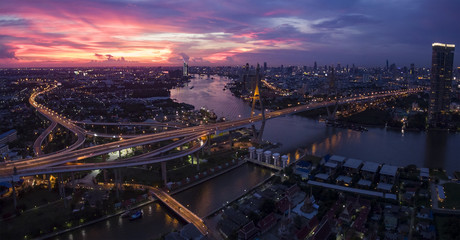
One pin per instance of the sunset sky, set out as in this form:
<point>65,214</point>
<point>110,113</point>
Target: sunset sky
<point>152,33</point>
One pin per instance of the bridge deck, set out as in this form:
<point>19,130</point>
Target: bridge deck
<point>180,210</point>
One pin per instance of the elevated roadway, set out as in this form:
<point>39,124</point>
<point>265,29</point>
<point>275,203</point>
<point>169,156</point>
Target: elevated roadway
<point>36,165</point>
<point>39,141</point>
<point>180,210</point>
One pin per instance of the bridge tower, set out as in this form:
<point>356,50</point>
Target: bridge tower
<point>257,138</point>
<point>332,95</point>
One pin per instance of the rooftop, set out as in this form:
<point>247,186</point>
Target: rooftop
<point>353,163</point>
<point>384,186</point>
<point>330,164</point>
<point>5,134</point>
<point>345,179</point>
<point>370,167</point>
<point>336,158</point>
<point>389,170</point>
<point>363,182</point>
<point>322,176</point>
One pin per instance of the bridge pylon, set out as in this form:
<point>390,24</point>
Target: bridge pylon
<point>257,138</point>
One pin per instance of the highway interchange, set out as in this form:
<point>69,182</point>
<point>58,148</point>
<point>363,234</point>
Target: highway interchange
<point>56,162</point>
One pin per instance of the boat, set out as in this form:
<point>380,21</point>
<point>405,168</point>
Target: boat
<point>192,87</point>
<point>138,214</point>
<point>128,213</point>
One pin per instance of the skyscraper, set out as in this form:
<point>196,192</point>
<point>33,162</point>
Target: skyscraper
<point>412,77</point>
<point>185,70</point>
<point>441,82</point>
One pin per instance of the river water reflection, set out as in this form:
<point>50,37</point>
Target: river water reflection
<point>424,149</point>
<point>158,220</point>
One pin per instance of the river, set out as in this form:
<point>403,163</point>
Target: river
<point>158,220</point>
<point>434,149</point>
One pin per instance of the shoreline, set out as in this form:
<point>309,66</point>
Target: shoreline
<point>54,234</point>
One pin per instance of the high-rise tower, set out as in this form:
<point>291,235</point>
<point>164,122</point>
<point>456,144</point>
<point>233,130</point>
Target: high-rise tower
<point>185,70</point>
<point>441,82</point>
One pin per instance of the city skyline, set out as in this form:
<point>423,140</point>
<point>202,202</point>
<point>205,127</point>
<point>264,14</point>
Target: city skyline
<point>143,33</point>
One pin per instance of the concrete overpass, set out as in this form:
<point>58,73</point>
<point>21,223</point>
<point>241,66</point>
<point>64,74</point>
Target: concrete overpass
<point>36,165</point>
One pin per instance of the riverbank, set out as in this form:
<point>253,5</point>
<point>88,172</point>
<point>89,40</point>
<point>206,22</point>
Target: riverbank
<point>113,217</point>
<point>93,221</point>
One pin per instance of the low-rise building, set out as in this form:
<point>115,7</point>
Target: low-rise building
<point>267,223</point>
<point>339,160</point>
<point>248,231</point>
<point>388,174</point>
<point>352,166</point>
<point>8,136</point>
<point>331,167</point>
<point>369,170</point>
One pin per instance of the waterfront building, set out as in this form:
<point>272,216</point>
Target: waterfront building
<point>369,170</point>
<point>388,174</point>
<point>352,166</point>
<point>339,160</point>
<point>441,82</point>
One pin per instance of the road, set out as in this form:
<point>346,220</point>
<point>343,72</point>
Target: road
<point>55,118</point>
<point>180,210</point>
<point>39,141</point>
<point>38,165</point>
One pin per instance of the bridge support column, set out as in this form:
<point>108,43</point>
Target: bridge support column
<point>104,172</point>
<point>15,204</point>
<point>252,153</point>
<point>62,189</point>
<point>117,181</point>
<point>163,172</point>
<point>197,161</point>
<point>48,178</point>
<point>73,180</point>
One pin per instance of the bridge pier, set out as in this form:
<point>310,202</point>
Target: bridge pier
<point>117,182</point>
<point>197,161</point>
<point>48,178</point>
<point>62,189</point>
<point>15,203</point>
<point>73,180</point>
<point>331,115</point>
<point>104,172</point>
<point>163,172</point>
